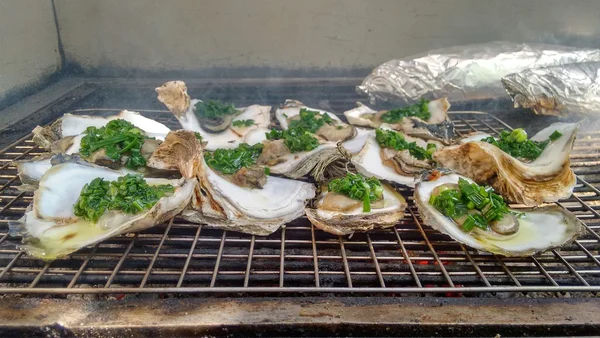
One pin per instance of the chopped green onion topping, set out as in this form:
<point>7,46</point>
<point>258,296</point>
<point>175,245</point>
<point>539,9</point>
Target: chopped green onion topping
<point>242,123</point>
<point>130,194</point>
<point>358,187</point>
<point>456,203</point>
<point>214,109</point>
<point>118,138</point>
<point>310,120</point>
<point>420,110</point>
<point>516,144</point>
<point>394,140</point>
<point>229,161</point>
<point>296,139</point>
<point>555,135</point>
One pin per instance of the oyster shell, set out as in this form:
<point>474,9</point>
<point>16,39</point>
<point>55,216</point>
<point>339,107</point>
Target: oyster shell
<point>340,215</point>
<point>437,127</point>
<point>51,230</point>
<point>219,203</point>
<point>391,165</point>
<point>548,178</point>
<point>72,127</point>
<point>539,229</point>
<point>174,95</point>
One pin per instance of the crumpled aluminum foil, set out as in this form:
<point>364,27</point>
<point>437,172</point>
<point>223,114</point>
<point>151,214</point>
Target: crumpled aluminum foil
<point>463,72</point>
<point>560,90</point>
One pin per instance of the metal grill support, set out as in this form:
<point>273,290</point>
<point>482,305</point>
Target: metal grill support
<point>179,257</point>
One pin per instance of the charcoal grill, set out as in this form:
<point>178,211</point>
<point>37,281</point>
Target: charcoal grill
<point>299,279</point>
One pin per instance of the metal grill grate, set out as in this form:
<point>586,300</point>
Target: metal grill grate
<point>180,257</point>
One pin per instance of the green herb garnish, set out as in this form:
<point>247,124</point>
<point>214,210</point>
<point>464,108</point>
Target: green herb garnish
<point>296,139</point>
<point>394,140</point>
<point>267,171</point>
<point>214,109</point>
<point>118,138</point>
<point>198,136</point>
<point>310,120</point>
<point>358,187</point>
<point>229,161</point>
<point>555,135</point>
<point>420,110</point>
<point>130,194</point>
<point>516,144</point>
<point>243,123</point>
<point>456,203</point>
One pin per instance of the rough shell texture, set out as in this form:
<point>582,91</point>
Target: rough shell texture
<point>221,204</point>
<point>547,179</point>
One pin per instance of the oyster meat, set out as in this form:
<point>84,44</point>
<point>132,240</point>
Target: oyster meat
<point>339,214</point>
<point>225,132</point>
<point>399,166</point>
<point>522,232</point>
<point>219,202</point>
<point>437,127</point>
<point>50,228</point>
<point>548,178</point>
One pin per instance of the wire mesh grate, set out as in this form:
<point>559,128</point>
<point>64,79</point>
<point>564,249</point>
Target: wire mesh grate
<point>179,257</point>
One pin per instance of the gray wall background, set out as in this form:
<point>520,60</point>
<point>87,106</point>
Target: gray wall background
<point>104,37</point>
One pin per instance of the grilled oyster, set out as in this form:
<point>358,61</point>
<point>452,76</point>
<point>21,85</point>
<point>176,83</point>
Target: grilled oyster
<point>334,130</point>
<point>72,127</point>
<point>548,178</point>
<point>532,231</point>
<point>227,130</point>
<point>221,203</point>
<point>50,228</point>
<point>339,214</point>
<point>437,127</point>
<point>387,163</point>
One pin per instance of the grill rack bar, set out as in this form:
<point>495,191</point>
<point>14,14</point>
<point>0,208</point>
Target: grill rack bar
<point>410,258</point>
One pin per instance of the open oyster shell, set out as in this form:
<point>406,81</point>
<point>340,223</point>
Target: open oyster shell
<point>222,204</point>
<point>174,95</point>
<point>549,178</point>
<point>540,229</point>
<point>72,126</point>
<point>352,138</point>
<point>50,229</point>
<point>402,168</point>
<point>438,127</point>
<point>349,216</point>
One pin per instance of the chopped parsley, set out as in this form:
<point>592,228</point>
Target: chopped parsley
<point>296,139</point>
<point>198,136</point>
<point>394,140</point>
<point>229,161</point>
<point>516,144</point>
<point>358,187</point>
<point>214,109</point>
<point>469,197</point>
<point>420,110</point>
<point>243,123</point>
<point>118,138</point>
<point>130,194</point>
<point>310,120</point>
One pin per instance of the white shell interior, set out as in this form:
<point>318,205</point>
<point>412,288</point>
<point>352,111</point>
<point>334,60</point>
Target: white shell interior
<point>278,197</point>
<point>72,125</point>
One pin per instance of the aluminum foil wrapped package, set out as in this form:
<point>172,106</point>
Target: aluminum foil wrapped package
<point>463,72</point>
<point>571,89</point>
